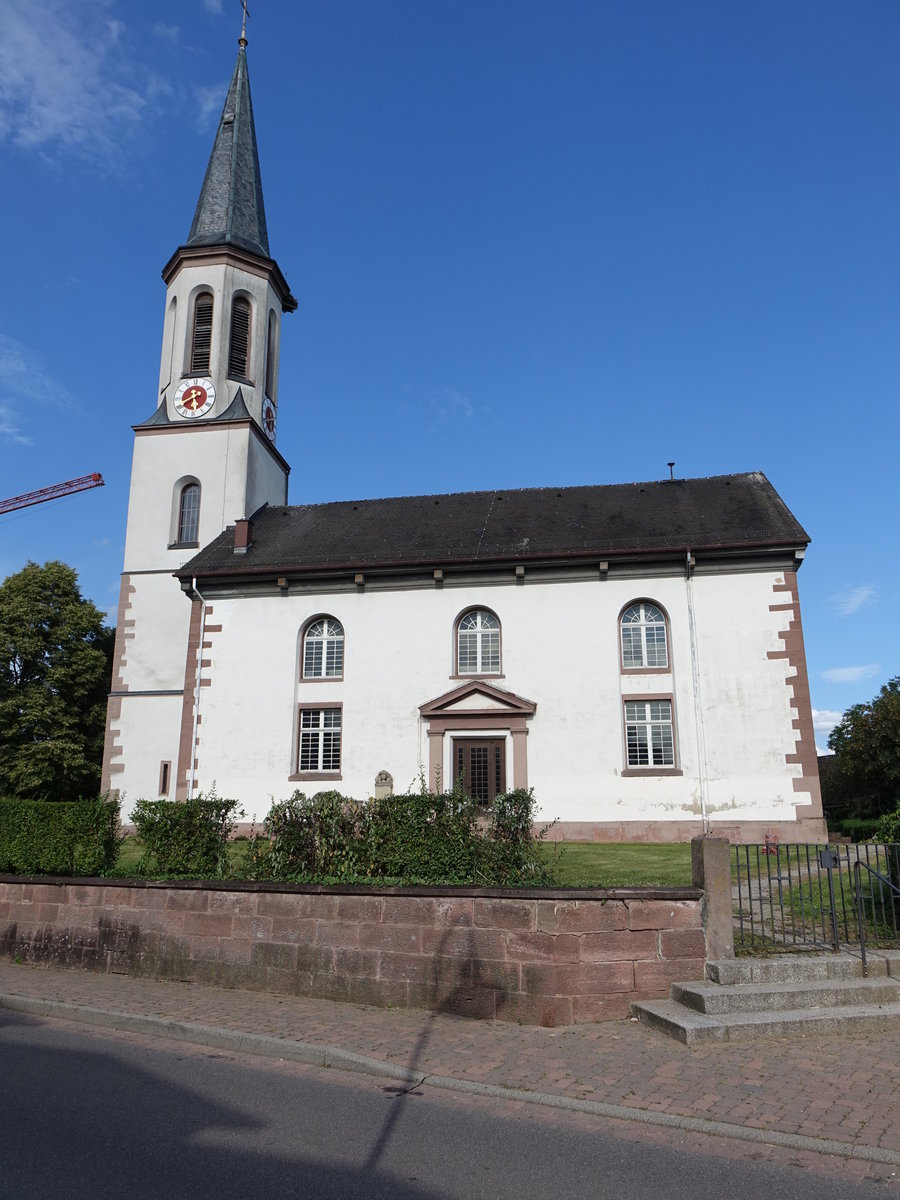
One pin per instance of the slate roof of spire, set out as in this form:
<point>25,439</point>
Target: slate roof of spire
<point>733,511</point>
<point>230,210</point>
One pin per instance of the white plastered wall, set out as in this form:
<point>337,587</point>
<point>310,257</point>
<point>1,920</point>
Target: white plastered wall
<point>560,649</point>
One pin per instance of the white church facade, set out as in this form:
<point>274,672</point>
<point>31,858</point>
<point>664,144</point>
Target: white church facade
<point>633,652</point>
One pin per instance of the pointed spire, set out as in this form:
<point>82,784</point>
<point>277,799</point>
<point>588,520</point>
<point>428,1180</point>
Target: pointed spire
<point>230,210</point>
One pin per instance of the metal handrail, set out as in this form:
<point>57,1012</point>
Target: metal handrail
<point>857,867</point>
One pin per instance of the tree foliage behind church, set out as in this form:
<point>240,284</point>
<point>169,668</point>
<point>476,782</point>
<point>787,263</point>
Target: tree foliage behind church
<point>864,776</point>
<point>55,666</point>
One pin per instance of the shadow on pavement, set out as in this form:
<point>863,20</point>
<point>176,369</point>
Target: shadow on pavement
<point>86,1123</point>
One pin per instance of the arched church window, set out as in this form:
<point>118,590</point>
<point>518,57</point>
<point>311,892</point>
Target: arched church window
<point>478,643</point>
<point>270,357</point>
<point>323,649</point>
<point>239,342</point>
<point>201,334</point>
<point>644,641</point>
<point>189,514</point>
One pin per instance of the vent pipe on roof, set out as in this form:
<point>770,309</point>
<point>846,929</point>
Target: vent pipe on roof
<point>671,467</point>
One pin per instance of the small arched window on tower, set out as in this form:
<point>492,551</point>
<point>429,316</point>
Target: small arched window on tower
<point>271,334</point>
<point>189,515</point>
<point>201,334</point>
<point>239,342</point>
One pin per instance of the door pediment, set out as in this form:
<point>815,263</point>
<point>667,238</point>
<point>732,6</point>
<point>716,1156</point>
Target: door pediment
<point>478,698</point>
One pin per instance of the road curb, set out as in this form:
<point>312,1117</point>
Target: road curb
<point>264,1046</point>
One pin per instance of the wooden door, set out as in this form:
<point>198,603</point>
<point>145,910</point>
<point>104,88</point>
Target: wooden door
<point>481,766</point>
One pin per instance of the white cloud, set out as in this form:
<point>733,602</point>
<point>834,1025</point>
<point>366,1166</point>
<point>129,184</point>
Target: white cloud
<point>207,100</point>
<point>851,600</point>
<point>213,6</point>
<point>851,674</point>
<point>66,83</point>
<point>169,33</point>
<point>9,429</point>
<point>24,382</point>
<point>825,719</point>
<point>450,409</point>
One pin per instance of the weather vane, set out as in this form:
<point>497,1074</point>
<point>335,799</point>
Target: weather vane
<point>243,37</point>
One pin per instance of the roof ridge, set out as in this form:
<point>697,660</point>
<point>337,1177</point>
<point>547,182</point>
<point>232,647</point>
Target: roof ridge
<point>566,487</point>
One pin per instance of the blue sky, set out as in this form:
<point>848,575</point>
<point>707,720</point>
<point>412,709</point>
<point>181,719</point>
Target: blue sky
<point>533,244</point>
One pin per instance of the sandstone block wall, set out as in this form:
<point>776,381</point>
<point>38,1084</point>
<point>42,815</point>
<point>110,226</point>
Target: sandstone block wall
<point>544,958</point>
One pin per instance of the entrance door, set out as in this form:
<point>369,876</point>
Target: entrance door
<point>481,765</point>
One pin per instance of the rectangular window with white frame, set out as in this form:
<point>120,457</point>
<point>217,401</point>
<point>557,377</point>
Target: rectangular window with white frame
<point>320,741</point>
<point>649,733</point>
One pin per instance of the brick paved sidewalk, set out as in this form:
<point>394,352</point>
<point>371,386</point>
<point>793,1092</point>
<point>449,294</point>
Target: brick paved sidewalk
<point>823,1086</point>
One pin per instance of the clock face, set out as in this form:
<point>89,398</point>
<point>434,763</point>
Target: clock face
<point>195,397</point>
<point>268,419</point>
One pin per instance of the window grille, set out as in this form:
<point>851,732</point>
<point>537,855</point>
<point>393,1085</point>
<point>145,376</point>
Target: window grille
<point>189,514</point>
<point>323,649</point>
<point>201,342</point>
<point>239,343</point>
<point>480,768</point>
<point>644,637</point>
<point>320,739</point>
<point>478,644</point>
<point>649,735</point>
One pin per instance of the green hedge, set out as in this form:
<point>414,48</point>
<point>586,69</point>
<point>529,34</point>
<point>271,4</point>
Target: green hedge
<point>858,829</point>
<point>66,837</point>
<point>415,837</point>
<point>187,838</point>
<point>887,828</point>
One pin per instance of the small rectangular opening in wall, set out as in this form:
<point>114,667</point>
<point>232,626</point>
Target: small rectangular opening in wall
<point>165,771</point>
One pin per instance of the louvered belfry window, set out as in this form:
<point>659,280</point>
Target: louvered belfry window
<point>239,344</point>
<point>270,358</point>
<point>201,340</point>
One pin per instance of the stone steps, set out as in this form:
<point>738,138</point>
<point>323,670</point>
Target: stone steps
<point>747,999</point>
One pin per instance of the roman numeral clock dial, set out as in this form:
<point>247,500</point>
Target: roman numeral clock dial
<point>195,397</point>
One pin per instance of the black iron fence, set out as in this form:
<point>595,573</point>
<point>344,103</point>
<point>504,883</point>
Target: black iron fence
<point>794,896</point>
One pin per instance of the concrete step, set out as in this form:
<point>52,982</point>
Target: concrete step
<point>714,999</point>
<point>794,968</point>
<point>695,1028</point>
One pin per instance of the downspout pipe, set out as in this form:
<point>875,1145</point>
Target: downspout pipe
<point>703,771</point>
<point>197,685</point>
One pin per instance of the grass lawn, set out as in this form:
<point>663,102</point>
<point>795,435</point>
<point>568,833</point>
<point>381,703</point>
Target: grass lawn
<point>132,851</point>
<point>621,864</point>
<point>578,864</point>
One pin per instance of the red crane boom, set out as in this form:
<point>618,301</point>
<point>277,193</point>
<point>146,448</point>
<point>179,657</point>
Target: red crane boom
<point>81,484</point>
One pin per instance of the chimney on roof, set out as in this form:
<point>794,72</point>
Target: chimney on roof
<point>243,535</point>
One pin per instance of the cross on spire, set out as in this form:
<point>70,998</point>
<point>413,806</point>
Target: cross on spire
<point>243,38</point>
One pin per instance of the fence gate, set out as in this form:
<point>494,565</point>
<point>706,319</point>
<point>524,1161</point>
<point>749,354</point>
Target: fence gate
<point>789,896</point>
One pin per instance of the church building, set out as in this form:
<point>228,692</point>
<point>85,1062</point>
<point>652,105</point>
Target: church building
<point>632,652</point>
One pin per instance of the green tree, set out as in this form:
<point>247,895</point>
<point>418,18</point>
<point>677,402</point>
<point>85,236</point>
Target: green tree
<point>55,668</point>
<point>864,776</point>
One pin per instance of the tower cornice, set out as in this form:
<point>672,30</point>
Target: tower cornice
<point>233,256</point>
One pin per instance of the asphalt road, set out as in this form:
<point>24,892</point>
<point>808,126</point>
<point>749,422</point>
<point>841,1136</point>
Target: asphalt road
<point>93,1114</point>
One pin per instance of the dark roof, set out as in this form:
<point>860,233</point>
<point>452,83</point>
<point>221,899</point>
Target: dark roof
<point>230,209</point>
<point>528,523</point>
<point>236,411</point>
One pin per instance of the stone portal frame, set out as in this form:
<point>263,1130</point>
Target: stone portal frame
<point>480,710</point>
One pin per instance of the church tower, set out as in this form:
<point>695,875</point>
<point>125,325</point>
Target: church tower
<point>207,456</point>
